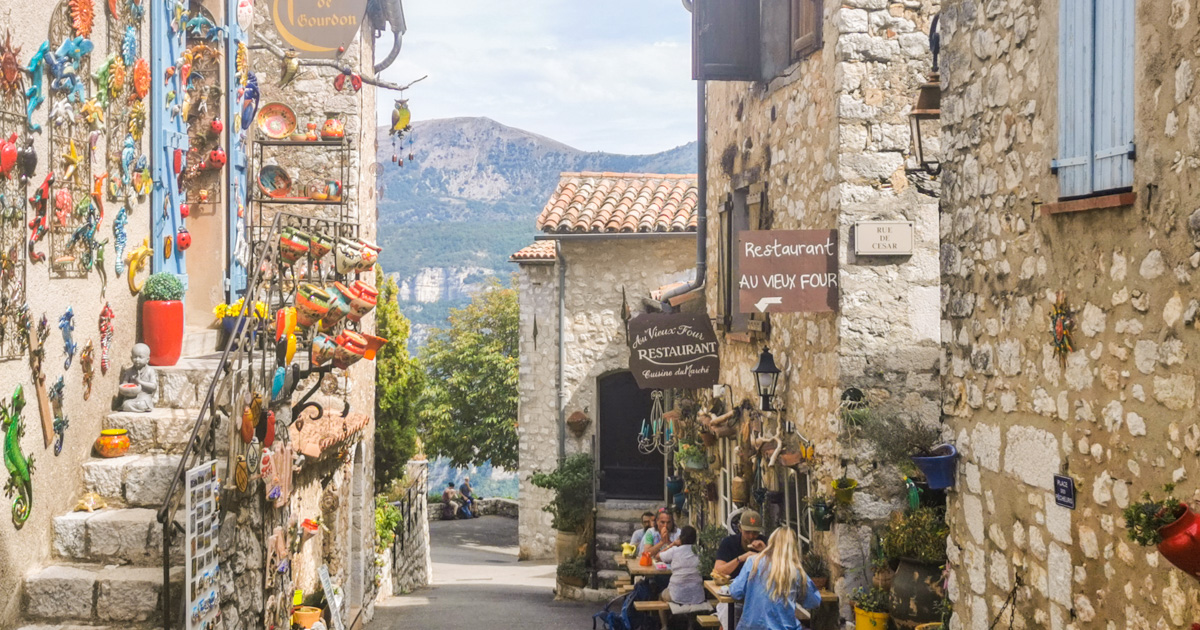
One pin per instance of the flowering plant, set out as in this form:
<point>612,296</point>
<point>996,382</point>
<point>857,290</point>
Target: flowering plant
<point>221,311</point>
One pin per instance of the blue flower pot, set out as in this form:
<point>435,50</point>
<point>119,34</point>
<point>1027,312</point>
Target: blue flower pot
<point>679,498</point>
<point>939,469</point>
<point>674,485</point>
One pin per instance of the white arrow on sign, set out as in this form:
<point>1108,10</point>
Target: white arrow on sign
<point>767,301</point>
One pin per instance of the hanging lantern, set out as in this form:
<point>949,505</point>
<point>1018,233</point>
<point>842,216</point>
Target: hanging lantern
<point>767,377</point>
<point>925,118</point>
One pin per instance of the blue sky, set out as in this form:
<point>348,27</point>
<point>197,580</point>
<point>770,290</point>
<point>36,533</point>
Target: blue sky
<point>611,76</point>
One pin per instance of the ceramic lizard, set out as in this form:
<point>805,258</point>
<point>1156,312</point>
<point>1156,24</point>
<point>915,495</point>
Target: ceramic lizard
<point>20,468</point>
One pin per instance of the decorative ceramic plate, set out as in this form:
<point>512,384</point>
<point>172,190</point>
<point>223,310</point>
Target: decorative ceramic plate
<point>276,120</point>
<point>273,181</point>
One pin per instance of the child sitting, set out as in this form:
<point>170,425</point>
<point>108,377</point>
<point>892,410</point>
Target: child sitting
<point>687,585</point>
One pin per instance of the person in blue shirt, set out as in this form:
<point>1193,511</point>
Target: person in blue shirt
<point>772,584</point>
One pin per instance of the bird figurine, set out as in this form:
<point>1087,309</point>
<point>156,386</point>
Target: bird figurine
<point>291,66</point>
<point>400,117</point>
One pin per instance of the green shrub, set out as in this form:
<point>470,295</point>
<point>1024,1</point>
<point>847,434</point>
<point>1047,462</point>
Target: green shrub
<point>572,486</point>
<point>387,519</point>
<point>574,568</point>
<point>1144,518</point>
<point>815,565</point>
<point>162,287</point>
<point>873,599</point>
<point>707,542</point>
<point>919,535</point>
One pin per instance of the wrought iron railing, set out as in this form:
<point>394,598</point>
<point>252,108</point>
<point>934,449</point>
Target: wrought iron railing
<point>248,360</point>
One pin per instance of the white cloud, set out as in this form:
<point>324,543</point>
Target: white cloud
<point>612,76</point>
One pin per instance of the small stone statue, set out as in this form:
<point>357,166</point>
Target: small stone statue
<point>139,382</point>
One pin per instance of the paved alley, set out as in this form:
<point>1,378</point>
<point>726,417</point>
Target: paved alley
<point>478,583</point>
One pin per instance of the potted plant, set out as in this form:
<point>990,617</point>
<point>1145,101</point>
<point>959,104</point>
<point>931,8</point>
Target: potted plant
<point>690,456</point>
<point>817,569</point>
<point>1169,524</point>
<point>572,504</point>
<point>574,572</point>
<point>871,608</point>
<point>162,318</point>
<point>708,540</point>
<point>820,507</point>
<point>902,442</point>
<point>917,541</point>
<point>228,314</point>
<point>843,490</point>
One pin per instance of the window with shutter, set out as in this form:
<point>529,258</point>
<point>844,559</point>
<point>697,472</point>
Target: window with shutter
<point>1095,97</point>
<point>806,18</point>
<point>169,143</point>
<point>743,211</point>
<point>725,40</point>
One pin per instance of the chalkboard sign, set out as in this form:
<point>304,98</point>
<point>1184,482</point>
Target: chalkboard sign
<point>1064,491</point>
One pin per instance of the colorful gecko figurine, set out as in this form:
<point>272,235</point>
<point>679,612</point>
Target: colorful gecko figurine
<point>66,324</point>
<point>40,223</point>
<point>35,94</point>
<point>106,335</point>
<point>60,419</point>
<point>86,362</point>
<point>20,468</point>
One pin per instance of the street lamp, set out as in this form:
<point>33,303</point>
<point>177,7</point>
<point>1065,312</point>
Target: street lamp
<point>767,375</point>
<point>925,118</point>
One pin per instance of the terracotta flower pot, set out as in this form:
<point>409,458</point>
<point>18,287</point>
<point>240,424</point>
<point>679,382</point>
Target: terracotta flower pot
<point>162,330</point>
<point>351,347</point>
<point>312,303</point>
<point>820,582</point>
<point>112,443</point>
<point>363,301</point>
<point>306,616</point>
<point>323,348</point>
<point>1181,542</point>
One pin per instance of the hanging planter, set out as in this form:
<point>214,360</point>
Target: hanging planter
<point>843,490</point>
<point>938,467</point>
<point>1170,525</point>
<point>870,609</point>
<point>822,513</point>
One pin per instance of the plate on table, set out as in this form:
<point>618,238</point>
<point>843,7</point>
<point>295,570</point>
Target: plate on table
<point>276,120</point>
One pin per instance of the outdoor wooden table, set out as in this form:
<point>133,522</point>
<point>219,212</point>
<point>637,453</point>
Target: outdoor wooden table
<point>723,598</point>
<point>621,560</point>
<point>637,570</point>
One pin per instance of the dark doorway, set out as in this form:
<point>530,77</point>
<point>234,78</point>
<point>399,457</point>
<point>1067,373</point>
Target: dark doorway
<point>627,473</point>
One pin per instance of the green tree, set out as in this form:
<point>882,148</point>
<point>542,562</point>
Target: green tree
<point>469,412</point>
<point>399,382</point>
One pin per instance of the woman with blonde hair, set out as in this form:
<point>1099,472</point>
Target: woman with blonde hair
<point>772,584</point>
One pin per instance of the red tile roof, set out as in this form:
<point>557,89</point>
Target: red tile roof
<point>611,203</point>
<point>540,251</point>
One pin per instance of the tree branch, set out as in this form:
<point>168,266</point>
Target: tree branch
<point>336,65</point>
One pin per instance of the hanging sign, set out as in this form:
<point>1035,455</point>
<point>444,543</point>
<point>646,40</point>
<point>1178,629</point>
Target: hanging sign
<point>883,238</point>
<point>1064,491</point>
<point>673,350</point>
<point>787,271</point>
<point>317,28</point>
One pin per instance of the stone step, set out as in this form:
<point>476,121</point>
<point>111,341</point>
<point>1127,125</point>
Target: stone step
<point>605,561</point>
<point>628,511</point>
<point>605,577</point>
<point>198,342</point>
<point>185,384</point>
<point>164,429</point>
<point>113,536</point>
<point>93,593</point>
<point>132,480</point>
<point>608,543</point>
<point>612,526</point>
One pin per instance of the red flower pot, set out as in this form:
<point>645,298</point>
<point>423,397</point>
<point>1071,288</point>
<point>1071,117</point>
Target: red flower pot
<point>162,330</point>
<point>1181,543</point>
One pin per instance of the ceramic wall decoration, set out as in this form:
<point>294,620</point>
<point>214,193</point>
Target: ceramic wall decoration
<point>312,303</point>
<point>323,348</point>
<point>66,324</point>
<point>19,466</point>
<point>334,129</point>
<point>86,363</point>
<point>362,302</point>
<point>1062,320</point>
<point>112,443</point>
<point>106,335</point>
<point>251,416</point>
<point>276,120</point>
<point>61,422</point>
<point>139,382</point>
<point>350,348</point>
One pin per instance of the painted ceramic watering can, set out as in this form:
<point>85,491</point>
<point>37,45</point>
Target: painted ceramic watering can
<point>373,345</point>
<point>312,303</point>
<point>339,306</point>
<point>363,301</point>
<point>350,348</point>
<point>323,348</point>
<point>293,245</point>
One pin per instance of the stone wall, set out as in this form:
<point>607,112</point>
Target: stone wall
<point>829,141</point>
<point>601,275</point>
<point>1119,414</point>
<point>410,565</point>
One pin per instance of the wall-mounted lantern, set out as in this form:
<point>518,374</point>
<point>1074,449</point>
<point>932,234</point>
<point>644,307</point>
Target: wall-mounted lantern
<point>766,374</point>
<point>925,118</point>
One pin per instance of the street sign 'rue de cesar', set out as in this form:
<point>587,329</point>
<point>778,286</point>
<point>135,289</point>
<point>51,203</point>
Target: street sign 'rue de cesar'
<point>883,238</point>
<point>673,350</point>
<point>787,271</point>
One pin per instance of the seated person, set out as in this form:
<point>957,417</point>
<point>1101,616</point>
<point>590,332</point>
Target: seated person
<point>774,584</point>
<point>736,549</point>
<point>639,534</point>
<point>468,497</point>
<point>664,532</point>
<point>450,502</point>
<point>686,587</point>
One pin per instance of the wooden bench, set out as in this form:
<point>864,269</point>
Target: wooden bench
<point>624,588</point>
<point>651,606</point>
<point>708,621</point>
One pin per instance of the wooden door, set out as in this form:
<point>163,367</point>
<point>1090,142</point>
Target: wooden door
<point>627,473</point>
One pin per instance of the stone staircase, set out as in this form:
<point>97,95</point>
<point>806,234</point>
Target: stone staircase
<point>106,568</point>
<point>615,522</point>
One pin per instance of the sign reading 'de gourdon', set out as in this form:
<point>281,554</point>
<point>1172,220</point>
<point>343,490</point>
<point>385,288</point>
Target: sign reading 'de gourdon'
<point>787,271</point>
<point>317,28</point>
<point>673,350</point>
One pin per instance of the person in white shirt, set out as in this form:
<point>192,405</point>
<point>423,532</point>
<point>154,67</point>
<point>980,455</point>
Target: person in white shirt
<point>687,585</point>
<point>664,533</point>
<point>638,535</point>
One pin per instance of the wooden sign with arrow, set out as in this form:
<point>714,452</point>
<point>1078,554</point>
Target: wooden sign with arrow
<point>787,271</point>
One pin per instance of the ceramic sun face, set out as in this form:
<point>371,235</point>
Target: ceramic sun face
<point>10,68</point>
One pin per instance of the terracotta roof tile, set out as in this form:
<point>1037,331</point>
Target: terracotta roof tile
<point>540,251</point>
<point>608,203</point>
<point>314,435</point>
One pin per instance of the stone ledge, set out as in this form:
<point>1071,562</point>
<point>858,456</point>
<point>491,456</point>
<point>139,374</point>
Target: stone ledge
<point>487,507</point>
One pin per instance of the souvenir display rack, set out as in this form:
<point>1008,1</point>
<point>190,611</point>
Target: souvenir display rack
<point>12,236</point>
<point>123,106</point>
<point>67,253</point>
<point>204,105</point>
<point>341,148</point>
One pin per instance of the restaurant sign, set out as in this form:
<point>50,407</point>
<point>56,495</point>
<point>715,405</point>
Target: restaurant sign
<point>787,271</point>
<point>317,28</point>
<point>673,351</point>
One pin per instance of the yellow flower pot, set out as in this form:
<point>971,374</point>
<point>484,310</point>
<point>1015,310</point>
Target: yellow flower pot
<point>864,620</point>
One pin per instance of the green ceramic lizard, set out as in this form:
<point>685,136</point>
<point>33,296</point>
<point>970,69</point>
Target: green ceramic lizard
<point>20,468</point>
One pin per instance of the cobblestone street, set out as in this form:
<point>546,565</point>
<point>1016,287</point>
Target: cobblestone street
<point>478,583</point>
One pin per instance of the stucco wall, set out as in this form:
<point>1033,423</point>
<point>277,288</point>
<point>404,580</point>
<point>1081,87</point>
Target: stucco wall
<point>830,142</point>
<point>56,479</point>
<point>596,273</point>
<point>1120,415</point>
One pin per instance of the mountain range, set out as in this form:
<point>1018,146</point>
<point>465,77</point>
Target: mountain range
<point>450,216</point>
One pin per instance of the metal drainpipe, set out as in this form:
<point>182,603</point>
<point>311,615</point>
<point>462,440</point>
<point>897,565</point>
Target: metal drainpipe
<point>701,202</point>
<point>562,349</point>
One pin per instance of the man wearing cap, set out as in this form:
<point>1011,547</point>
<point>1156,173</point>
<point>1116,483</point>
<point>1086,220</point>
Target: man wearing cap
<point>735,550</point>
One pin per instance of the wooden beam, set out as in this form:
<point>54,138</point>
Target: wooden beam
<point>1090,203</point>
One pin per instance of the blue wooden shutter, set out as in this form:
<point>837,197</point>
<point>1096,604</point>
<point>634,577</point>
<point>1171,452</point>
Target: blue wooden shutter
<point>1112,138</point>
<point>1075,59</point>
<point>238,182</point>
<point>167,134</point>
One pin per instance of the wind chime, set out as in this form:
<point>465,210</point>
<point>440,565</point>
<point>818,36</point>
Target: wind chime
<point>658,434</point>
<point>401,125</point>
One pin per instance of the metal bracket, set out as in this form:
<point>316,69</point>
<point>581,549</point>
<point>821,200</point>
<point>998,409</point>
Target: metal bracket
<point>304,402</point>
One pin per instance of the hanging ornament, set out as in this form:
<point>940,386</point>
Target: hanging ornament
<point>183,239</point>
<point>241,474</point>
<point>106,335</point>
<point>83,17</point>
<point>85,363</point>
<point>254,457</point>
<point>1062,320</point>
<point>60,419</point>
<point>66,324</point>
<point>659,433</point>
<point>119,240</point>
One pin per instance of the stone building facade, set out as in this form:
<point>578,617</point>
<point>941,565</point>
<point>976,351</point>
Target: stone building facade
<point>1118,413</point>
<point>822,143</point>
<point>619,237</point>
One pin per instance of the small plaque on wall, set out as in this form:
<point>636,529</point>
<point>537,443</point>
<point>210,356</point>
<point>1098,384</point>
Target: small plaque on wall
<point>1064,491</point>
<point>883,238</point>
